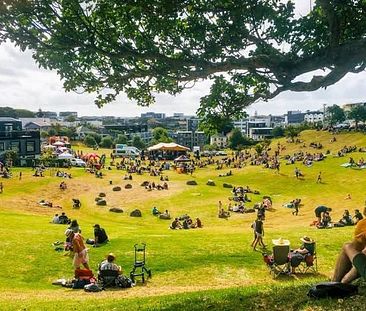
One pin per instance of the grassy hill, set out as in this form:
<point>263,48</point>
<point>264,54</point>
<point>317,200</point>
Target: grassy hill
<point>209,268</point>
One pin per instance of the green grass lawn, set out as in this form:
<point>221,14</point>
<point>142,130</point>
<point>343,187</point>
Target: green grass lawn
<point>209,268</point>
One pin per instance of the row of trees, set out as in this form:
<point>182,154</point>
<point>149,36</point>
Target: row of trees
<point>15,113</point>
<point>337,115</point>
<point>160,135</point>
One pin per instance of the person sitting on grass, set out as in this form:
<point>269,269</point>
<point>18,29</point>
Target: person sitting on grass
<point>176,224</point>
<point>76,203</point>
<point>155,211</point>
<point>55,219</point>
<point>100,236</point>
<point>108,264</point>
<point>223,213</point>
<point>357,217</point>
<point>325,221</point>
<point>298,255</point>
<point>197,224</point>
<point>351,262</point>
<point>346,218</point>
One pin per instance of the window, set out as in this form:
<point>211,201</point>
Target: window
<point>2,146</point>
<point>14,145</point>
<point>31,146</point>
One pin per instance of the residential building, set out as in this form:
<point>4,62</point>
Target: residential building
<point>313,116</point>
<point>294,117</point>
<point>192,124</point>
<point>242,125</point>
<point>46,114</point>
<point>37,126</point>
<point>153,115</point>
<point>255,127</point>
<point>65,114</point>
<point>348,107</point>
<point>190,138</point>
<point>220,140</point>
<point>27,144</point>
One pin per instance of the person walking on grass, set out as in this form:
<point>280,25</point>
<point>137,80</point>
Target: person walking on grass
<point>259,233</point>
<point>319,178</point>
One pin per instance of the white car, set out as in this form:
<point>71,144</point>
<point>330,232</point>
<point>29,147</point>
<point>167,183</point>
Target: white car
<point>221,153</point>
<point>77,162</point>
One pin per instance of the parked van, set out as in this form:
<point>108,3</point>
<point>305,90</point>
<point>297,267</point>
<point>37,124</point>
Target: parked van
<point>123,150</point>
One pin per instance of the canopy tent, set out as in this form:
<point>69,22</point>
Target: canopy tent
<point>65,156</point>
<point>168,147</point>
<point>182,158</point>
<point>59,143</point>
<point>90,156</point>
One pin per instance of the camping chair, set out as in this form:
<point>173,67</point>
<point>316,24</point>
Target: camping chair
<point>280,263</point>
<point>310,263</point>
<point>107,278</point>
<point>139,267</point>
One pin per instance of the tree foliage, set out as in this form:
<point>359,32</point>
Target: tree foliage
<point>15,113</point>
<point>237,140</point>
<point>251,50</point>
<point>160,135</point>
<point>121,139</point>
<point>278,131</point>
<point>89,141</point>
<point>357,113</point>
<point>106,142</point>
<point>292,132</point>
<point>335,114</point>
<point>138,142</point>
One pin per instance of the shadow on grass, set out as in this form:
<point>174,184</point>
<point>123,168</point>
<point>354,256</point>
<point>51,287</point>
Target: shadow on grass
<point>261,298</point>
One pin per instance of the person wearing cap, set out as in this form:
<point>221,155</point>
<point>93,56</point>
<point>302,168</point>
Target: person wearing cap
<point>78,247</point>
<point>351,262</point>
<point>100,236</point>
<point>108,264</point>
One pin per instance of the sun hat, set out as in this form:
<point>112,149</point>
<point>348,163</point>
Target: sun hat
<point>281,241</point>
<point>306,239</point>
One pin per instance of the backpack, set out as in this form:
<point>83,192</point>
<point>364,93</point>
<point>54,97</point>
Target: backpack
<point>123,281</point>
<point>332,290</point>
<point>80,283</point>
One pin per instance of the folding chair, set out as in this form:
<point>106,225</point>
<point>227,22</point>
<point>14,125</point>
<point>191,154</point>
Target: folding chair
<point>107,278</point>
<point>310,262</point>
<point>280,263</point>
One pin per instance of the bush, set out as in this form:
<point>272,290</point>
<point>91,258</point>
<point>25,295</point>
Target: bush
<point>90,141</point>
<point>106,142</point>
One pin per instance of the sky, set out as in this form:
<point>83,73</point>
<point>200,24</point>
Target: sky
<point>24,85</point>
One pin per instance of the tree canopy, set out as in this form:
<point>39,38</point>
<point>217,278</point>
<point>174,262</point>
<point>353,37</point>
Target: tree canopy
<point>335,114</point>
<point>251,50</point>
